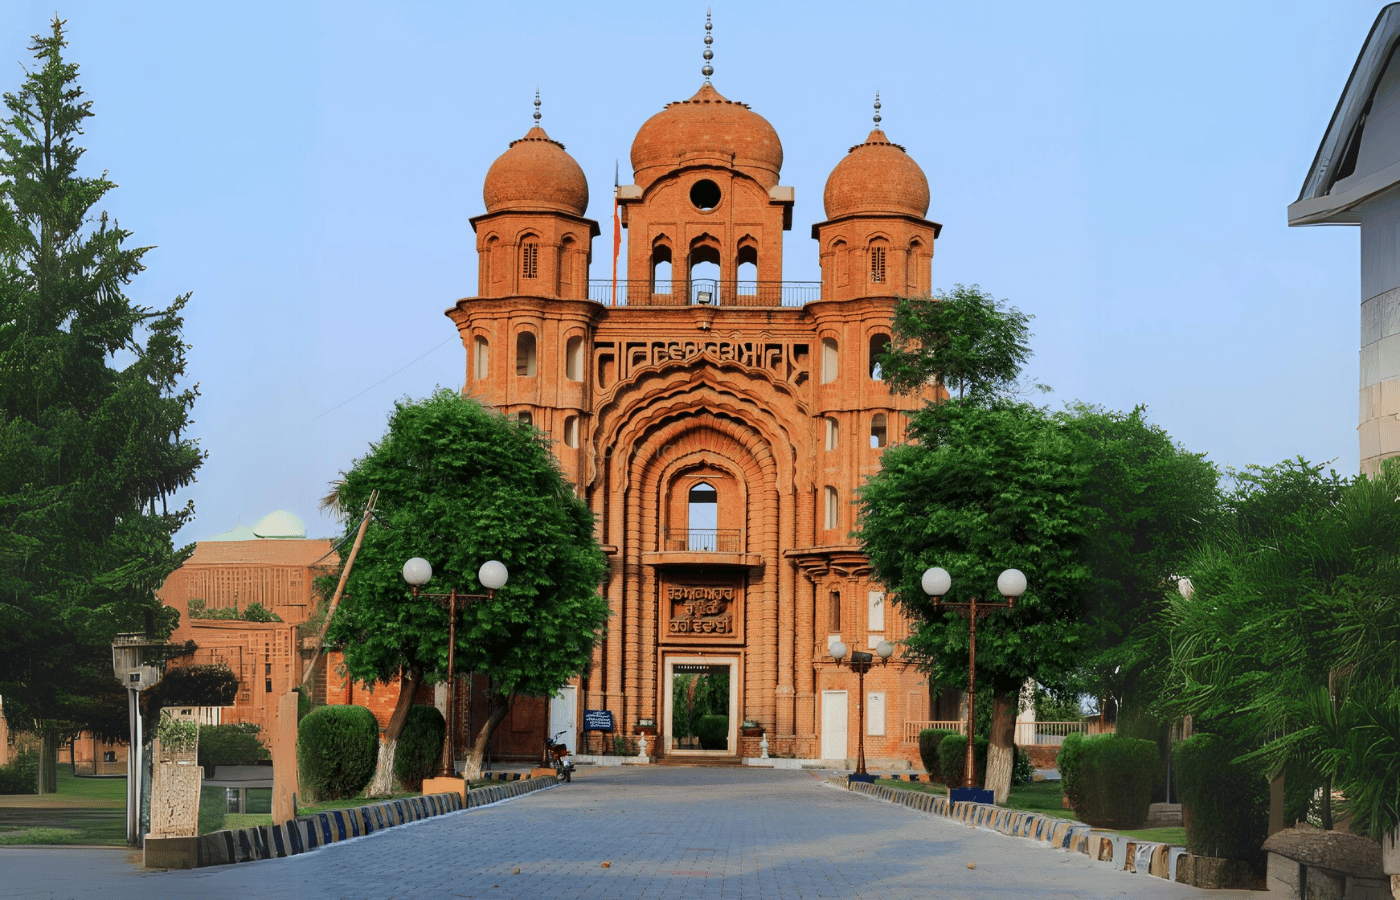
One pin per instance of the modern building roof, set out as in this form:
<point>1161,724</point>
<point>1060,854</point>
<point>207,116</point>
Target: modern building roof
<point>1359,156</point>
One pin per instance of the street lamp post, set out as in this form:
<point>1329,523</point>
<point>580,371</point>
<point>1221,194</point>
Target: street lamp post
<point>418,572</point>
<point>860,663</point>
<point>1010,584</point>
<point>129,652</point>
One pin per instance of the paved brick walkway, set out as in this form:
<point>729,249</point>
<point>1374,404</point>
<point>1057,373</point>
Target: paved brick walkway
<point>669,833</point>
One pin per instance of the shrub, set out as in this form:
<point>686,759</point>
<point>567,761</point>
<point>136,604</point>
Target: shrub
<point>713,732</point>
<point>929,741</point>
<point>952,758</point>
<point>1022,772</point>
<point>231,745</point>
<point>1108,779</point>
<point>1225,805</point>
<point>336,749</point>
<point>256,612</point>
<point>1068,761</point>
<point>419,752</point>
<point>22,775</point>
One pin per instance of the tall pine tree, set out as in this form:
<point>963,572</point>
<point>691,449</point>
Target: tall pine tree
<point>93,416</point>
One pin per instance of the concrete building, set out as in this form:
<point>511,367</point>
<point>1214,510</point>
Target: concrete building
<point>717,418</point>
<point>1355,180</point>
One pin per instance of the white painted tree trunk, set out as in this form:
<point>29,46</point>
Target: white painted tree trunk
<point>1001,758</point>
<point>382,784</point>
<point>471,767</point>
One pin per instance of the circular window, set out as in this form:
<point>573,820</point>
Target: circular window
<point>704,194</point>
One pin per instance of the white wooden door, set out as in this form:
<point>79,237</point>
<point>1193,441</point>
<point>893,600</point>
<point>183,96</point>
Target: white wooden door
<point>563,715</point>
<point>834,718</point>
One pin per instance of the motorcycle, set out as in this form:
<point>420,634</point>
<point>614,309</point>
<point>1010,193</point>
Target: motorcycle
<point>557,752</point>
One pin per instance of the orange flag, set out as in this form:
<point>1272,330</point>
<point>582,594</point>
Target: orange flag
<point>617,234</point>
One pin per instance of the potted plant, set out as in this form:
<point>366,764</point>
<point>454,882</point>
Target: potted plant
<point>751,728</point>
<point>645,725</point>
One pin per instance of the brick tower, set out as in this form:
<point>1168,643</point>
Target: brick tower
<point>717,419</point>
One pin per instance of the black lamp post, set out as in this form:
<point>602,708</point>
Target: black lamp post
<point>1010,584</point>
<point>418,572</point>
<point>860,663</point>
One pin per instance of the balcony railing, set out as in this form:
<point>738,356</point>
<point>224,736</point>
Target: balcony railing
<point>702,540</point>
<point>705,292</point>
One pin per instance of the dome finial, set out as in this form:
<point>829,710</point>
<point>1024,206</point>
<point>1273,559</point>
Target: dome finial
<point>877,109</point>
<point>537,106</point>
<point>707,70</point>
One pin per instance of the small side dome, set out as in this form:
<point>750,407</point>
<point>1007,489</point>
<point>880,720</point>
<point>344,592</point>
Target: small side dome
<point>707,128</point>
<point>879,178</point>
<point>536,174</point>
<point>280,524</point>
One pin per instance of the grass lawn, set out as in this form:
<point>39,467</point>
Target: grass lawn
<point>1045,798</point>
<point>85,811</point>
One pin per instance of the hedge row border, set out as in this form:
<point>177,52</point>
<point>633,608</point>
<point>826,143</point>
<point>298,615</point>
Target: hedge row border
<point>311,832</point>
<point>1164,861</point>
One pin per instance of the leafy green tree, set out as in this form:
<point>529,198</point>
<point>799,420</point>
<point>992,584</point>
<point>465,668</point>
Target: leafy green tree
<point>986,487</point>
<point>92,414</point>
<point>460,484</point>
<point>1289,640</point>
<point>965,340</point>
<point>1146,503</point>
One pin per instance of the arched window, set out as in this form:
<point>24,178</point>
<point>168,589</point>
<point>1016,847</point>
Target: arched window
<point>530,259</point>
<point>661,270</point>
<point>571,431</point>
<point>565,270</point>
<point>878,274</point>
<point>877,430</point>
<point>704,274</point>
<point>481,354</point>
<point>838,253</point>
<point>829,360</point>
<point>573,358</point>
<point>746,272</point>
<point>833,433</point>
<point>525,418</point>
<point>489,266</point>
<point>912,281</point>
<point>702,518</point>
<point>879,344</point>
<point>525,353</point>
<point>833,511</point>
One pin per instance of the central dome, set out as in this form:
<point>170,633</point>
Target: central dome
<point>707,128</point>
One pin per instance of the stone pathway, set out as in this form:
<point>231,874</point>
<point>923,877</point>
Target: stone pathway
<point>672,833</point>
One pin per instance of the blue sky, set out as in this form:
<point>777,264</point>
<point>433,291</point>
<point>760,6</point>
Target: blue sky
<point>1119,171</point>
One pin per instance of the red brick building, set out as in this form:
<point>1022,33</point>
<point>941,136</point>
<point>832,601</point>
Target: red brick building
<point>716,418</point>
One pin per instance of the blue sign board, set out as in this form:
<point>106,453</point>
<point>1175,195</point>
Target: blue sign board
<point>597,720</point>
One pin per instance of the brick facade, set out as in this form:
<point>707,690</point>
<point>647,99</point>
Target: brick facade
<point>665,394</point>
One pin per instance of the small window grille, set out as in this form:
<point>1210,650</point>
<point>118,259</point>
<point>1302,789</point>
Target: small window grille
<point>877,265</point>
<point>530,260</point>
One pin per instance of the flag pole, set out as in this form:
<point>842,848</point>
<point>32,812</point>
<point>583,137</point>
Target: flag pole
<point>617,233</point>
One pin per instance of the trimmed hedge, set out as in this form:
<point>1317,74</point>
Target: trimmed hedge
<point>231,745</point>
<point>952,758</point>
<point>713,732</point>
<point>419,753</point>
<point>1224,805</point>
<point>1108,779</point>
<point>337,747</point>
<point>930,739</point>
